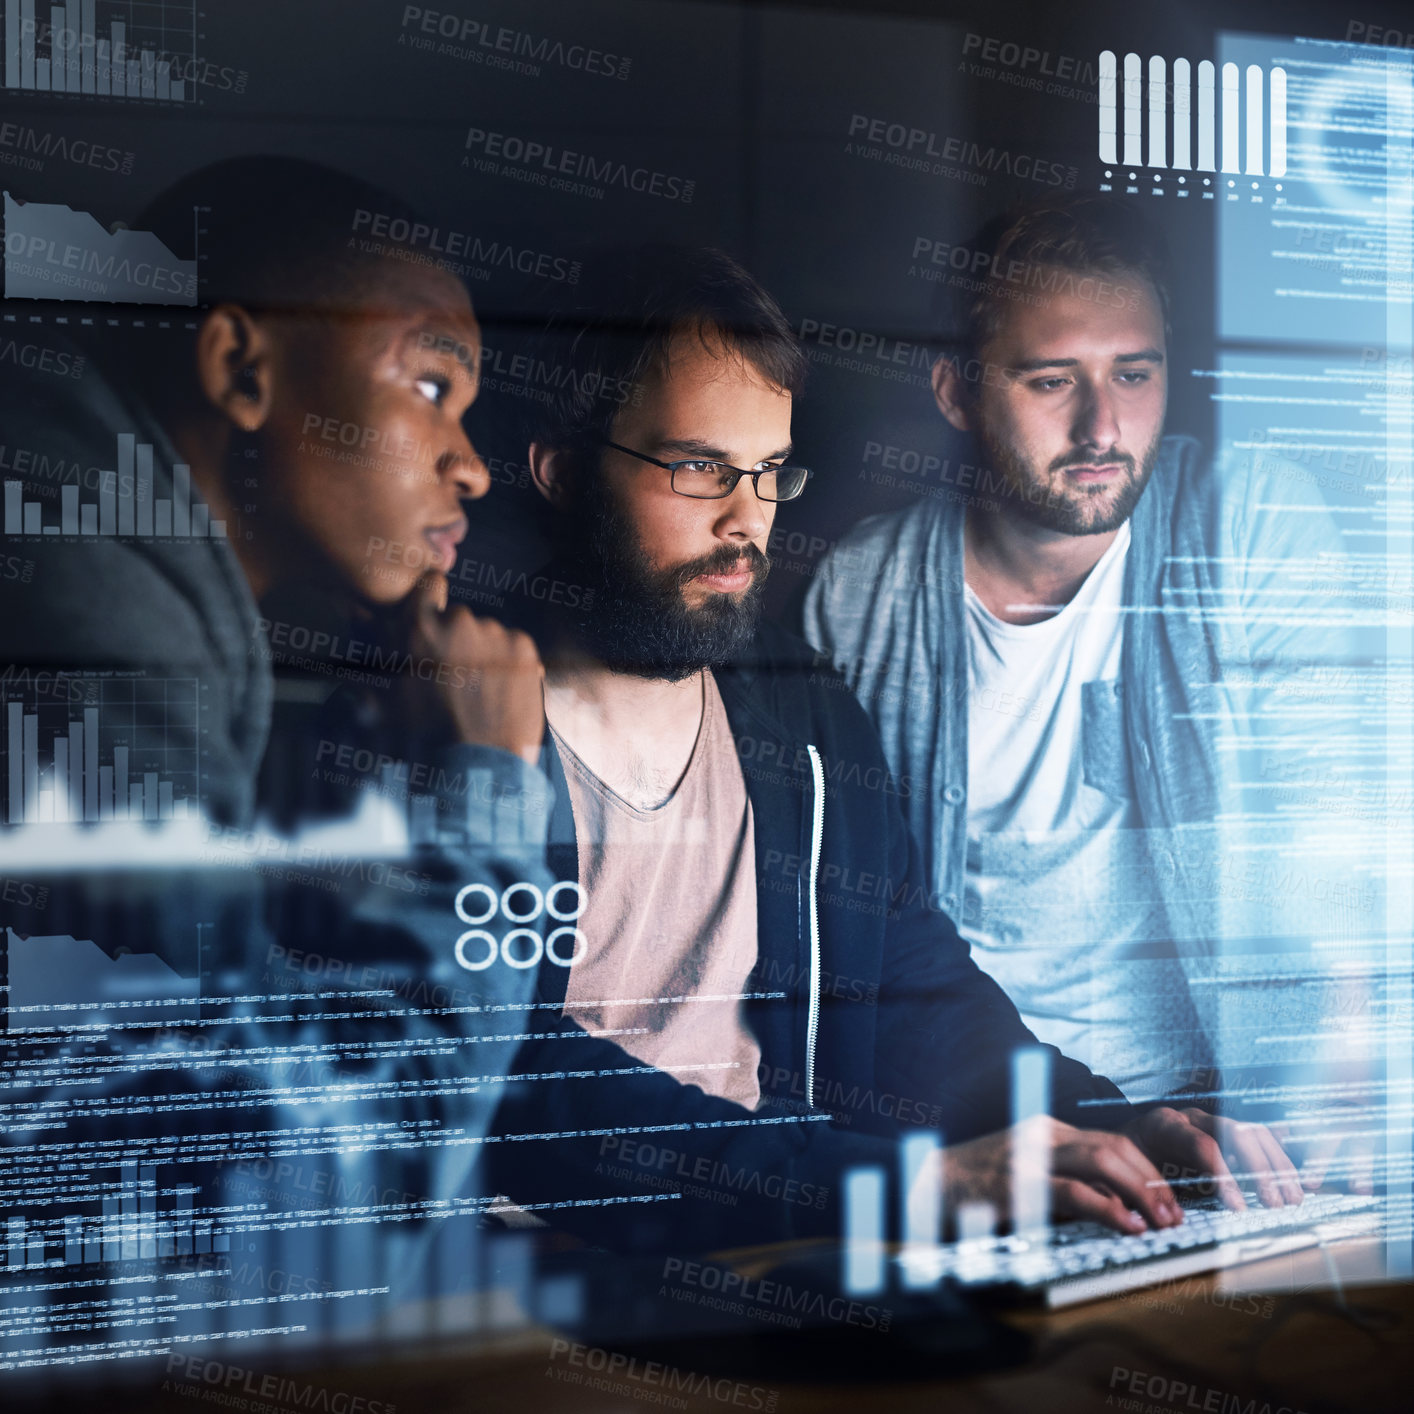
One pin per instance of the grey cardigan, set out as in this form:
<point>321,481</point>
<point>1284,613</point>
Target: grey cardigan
<point>1202,582</point>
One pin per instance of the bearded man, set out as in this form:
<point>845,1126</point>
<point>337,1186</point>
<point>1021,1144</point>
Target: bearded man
<point>754,996</point>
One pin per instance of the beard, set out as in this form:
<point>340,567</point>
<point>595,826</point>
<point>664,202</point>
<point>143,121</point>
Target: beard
<point>1046,501</point>
<point>638,621</point>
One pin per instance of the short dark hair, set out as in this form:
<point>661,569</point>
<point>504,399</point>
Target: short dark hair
<point>1086,234</point>
<point>626,315</point>
<point>283,233</point>
<point>281,236</point>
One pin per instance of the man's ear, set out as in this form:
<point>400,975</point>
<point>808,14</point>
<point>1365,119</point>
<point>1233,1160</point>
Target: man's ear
<point>551,470</point>
<point>952,393</point>
<point>233,365</point>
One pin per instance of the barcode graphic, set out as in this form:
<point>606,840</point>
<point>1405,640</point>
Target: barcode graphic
<point>1261,94</point>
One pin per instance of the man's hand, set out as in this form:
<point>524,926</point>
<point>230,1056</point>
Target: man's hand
<point>1343,1151</point>
<point>1222,1150</point>
<point>1093,1174</point>
<point>482,677</point>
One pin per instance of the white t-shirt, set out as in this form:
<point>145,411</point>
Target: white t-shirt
<point>1062,903</point>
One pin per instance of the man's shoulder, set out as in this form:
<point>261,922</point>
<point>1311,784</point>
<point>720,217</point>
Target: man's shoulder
<point>874,569</point>
<point>787,678</point>
<point>1185,455</point>
<point>879,539</point>
<point>1222,491</point>
<point>99,602</point>
<point>1233,469</point>
<point>775,648</point>
<point>108,600</point>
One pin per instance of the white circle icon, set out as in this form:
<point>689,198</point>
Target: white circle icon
<point>581,946</point>
<point>492,901</point>
<point>481,936</point>
<point>522,888</point>
<point>522,963</point>
<point>550,906</point>
<point>522,948</point>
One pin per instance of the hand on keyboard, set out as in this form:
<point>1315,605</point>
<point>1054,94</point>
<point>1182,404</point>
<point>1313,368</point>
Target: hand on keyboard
<point>1190,1143</point>
<point>1093,1174</point>
<point>1342,1153</point>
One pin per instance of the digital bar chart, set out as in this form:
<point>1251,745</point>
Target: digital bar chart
<point>921,1201</point>
<point>57,252</point>
<point>1240,116</point>
<point>139,1221</point>
<point>864,1254</point>
<point>57,982</point>
<point>125,504</point>
<point>66,49</point>
<point>1031,1150</point>
<point>130,754</point>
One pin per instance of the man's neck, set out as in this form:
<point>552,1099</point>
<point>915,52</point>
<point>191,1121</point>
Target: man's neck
<point>636,734</point>
<point>1024,573</point>
<point>206,449</point>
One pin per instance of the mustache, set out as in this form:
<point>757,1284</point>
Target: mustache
<point>1114,457</point>
<point>725,560</point>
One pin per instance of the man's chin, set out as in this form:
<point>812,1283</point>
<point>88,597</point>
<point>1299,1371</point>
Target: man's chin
<point>658,672</point>
<point>700,599</point>
<point>1098,513</point>
<point>1096,520</point>
<point>674,643</point>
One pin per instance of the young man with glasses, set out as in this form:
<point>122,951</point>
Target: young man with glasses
<point>759,996</point>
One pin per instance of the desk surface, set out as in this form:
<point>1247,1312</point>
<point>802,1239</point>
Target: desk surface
<point>1274,1337</point>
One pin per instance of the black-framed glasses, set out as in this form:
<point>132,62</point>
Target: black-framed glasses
<point>712,481</point>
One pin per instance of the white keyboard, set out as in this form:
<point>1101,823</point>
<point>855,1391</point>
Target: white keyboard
<point>1082,1261</point>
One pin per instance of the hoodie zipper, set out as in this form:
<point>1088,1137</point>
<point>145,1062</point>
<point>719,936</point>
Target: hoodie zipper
<point>817,833</point>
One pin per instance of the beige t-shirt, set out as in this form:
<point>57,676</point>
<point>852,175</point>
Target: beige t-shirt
<point>670,912</point>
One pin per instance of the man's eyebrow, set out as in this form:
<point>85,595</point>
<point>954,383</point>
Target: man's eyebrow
<point>1033,365</point>
<point>695,447</point>
<point>435,337</point>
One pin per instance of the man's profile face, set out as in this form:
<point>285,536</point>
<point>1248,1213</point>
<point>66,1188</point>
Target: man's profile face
<point>679,580</point>
<point>365,434</point>
<point>1073,410</point>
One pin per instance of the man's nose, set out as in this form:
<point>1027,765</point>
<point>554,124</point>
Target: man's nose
<point>744,515</point>
<point>462,463</point>
<point>1095,422</point>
